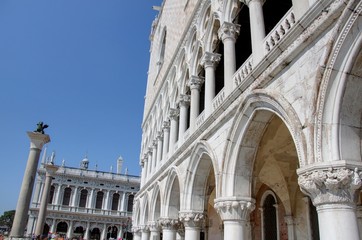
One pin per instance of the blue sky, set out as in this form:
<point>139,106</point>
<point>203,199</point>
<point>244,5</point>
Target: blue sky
<point>80,66</point>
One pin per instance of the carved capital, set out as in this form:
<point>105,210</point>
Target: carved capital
<point>246,2</point>
<point>174,112</point>
<point>159,136</point>
<point>154,144</point>
<point>192,219</point>
<point>229,31</point>
<point>154,226</point>
<point>168,223</point>
<point>136,229</point>
<point>210,59</point>
<point>234,209</point>
<point>195,82</point>
<point>184,100</point>
<point>166,126</point>
<point>332,185</point>
<point>145,228</point>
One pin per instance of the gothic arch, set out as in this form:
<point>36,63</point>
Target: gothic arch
<point>250,121</point>
<point>173,188</point>
<point>202,159</point>
<point>155,203</point>
<point>339,119</point>
<point>136,213</point>
<point>144,209</point>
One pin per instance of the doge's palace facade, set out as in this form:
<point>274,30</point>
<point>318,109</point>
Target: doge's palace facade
<point>252,121</point>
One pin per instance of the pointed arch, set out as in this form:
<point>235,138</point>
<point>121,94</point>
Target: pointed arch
<point>173,188</point>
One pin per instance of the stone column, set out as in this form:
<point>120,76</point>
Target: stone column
<point>174,128</point>
<point>50,170</point>
<point>87,231</point>
<point>257,28</point>
<point>195,84</point>
<point>154,155</point>
<point>104,232</point>
<point>209,61</point>
<point>145,235</point>
<point>136,233</point>
<point>91,199</point>
<point>37,140</point>
<point>166,139</point>
<point>193,221</point>
<point>70,229</point>
<point>106,202</point>
<point>74,196</point>
<point>290,224</point>
<point>57,190</point>
<point>53,227</point>
<point>228,33</point>
<point>150,163</point>
<point>235,214</point>
<point>333,192</point>
<point>184,102</point>
<point>159,148</point>
<point>145,169</point>
<point>154,230</point>
<point>169,228</point>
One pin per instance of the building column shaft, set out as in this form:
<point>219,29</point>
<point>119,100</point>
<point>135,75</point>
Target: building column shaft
<point>235,230</point>
<point>192,233</point>
<point>43,205</point>
<point>229,63</point>
<point>173,134</point>
<point>169,234</point>
<point>337,221</point>
<point>145,235</point>
<point>257,29</point>
<point>209,89</point>
<point>194,106</point>
<point>183,121</point>
<point>154,157</point>
<point>166,139</point>
<point>155,235</point>
<point>26,190</point>
<point>70,230</point>
<point>159,150</point>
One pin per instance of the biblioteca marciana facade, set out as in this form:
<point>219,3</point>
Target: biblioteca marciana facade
<point>86,204</point>
<point>252,121</point>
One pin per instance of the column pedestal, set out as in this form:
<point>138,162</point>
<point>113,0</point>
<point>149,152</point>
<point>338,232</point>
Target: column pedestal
<point>37,140</point>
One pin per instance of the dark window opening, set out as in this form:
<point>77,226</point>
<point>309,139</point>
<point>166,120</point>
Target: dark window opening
<point>272,14</point>
<point>243,48</point>
<point>270,218</point>
<point>66,196</point>
<point>99,200</point>
<point>83,198</point>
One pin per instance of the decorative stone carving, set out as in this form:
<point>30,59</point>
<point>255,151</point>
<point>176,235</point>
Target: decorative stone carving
<point>229,31</point>
<point>174,112</point>
<point>184,99</point>
<point>166,126</point>
<point>210,59</point>
<point>145,228</point>
<point>236,210</point>
<point>330,185</point>
<point>154,226</point>
<point>192,219</point>
<point>195,82</point>
<point>169,223</point>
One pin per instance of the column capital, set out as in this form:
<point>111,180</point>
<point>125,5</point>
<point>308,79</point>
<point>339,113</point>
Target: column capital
<point>50,169</point>
<point>154,143</point>
<point>234,209</point>
<point>229,31</point>
<point>154,226</point>
<point>136,229</point>
<point>173,114</point>
<point>195,82</point>
<point>331,185</point>
<point>246,2</point>
<point>210,59</point>
<point>159,136</point>
<point>37,140</point>
<point>144,228</point>
<point>184,100</point>
<point>192,219</point>
<point>166,126</point>
<point>169,223</point>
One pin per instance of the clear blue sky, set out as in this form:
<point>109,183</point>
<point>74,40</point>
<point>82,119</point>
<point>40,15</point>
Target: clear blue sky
<point>81,67</point>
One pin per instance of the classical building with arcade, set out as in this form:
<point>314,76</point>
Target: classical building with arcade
<point>252,121</point>
<point>84,203</point>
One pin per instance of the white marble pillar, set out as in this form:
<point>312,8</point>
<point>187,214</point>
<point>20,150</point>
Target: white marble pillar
<point>145,235</point>
<point>154,231</point>
<point>209,61</point>
<point>195,84</point>
<point>70,229</point>
<point>169,228</point>
<point>74,196</point>
<point>37,140</point>
<point>87,232</point>
<point>159,148</point>
<point>154,155</point>
<point>257,29</point>
<point>56,200</point>
<point>53,226</point>
<point>136,233</point>
<point>104,232</point>
<point>184,102</point>
<point>50,170</point>
<point>91,199</point>
<point>106,202</point>
<point>193,222</point>
<point>150,163</point>
<point>37,191</point>
<point>359,219</point>
<point>145,169</point>
<point>166,139</point>
<point>235,215</point>
<point>174,113</point>
<point>228,33</point>
<point>332,191</point>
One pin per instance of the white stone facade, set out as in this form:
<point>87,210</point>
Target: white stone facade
<point>86,204</point>
<point>252,121</point>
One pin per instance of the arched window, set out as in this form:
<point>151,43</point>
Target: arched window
<point>66,196</point>
<point>115,201</point>
<point>99,200</point>
<point>62,228</point>
<point>83,198</point>
<point>130,203</point>
<point>270,228</point>
<point>51,195</point>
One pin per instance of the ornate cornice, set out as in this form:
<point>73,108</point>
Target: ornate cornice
<point>236,210</point>
<point>332,185</point>
<point>192,219</point>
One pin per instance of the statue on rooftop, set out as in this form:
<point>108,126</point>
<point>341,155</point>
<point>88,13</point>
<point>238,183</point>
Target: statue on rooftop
<point>40,127</point>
